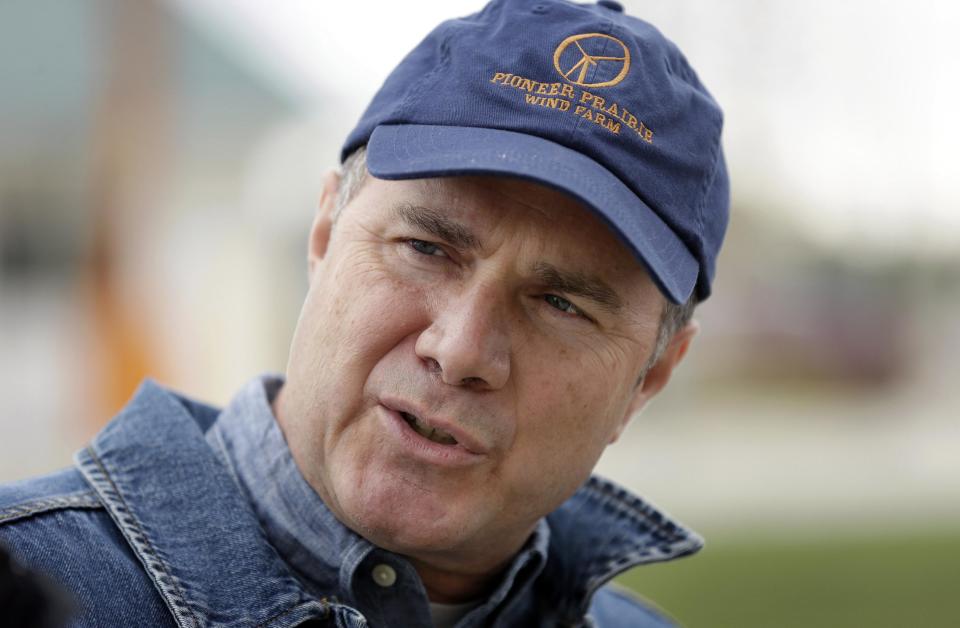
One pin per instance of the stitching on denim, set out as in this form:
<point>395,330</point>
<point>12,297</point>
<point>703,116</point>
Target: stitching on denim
<point>680,541</point>
<point>158,570</point>
<point>324,607</point>
<point>78,499</point>
<point>629,560</point>
<point>638,509</point>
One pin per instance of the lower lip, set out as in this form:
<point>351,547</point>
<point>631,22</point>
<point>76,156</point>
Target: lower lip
<point>424,448</point>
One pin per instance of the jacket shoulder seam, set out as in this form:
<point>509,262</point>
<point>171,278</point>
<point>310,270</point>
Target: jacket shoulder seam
<point>86,499</point>
<point>167,584</point>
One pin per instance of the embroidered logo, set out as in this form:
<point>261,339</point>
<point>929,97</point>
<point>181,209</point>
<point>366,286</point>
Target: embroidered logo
<point>607,56</point>
<point>587,60</point>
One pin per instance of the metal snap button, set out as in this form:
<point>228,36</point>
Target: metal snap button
<point>384,575</point>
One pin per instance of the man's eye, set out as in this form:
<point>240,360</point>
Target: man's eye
<point>425,248</point>
<point>563,305</point>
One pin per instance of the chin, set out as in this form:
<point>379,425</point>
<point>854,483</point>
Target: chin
<point>405,519</point>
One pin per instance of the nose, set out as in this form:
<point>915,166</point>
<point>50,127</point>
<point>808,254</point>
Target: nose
<point>467,342</point>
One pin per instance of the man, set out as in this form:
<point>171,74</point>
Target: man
<point>500,278</point>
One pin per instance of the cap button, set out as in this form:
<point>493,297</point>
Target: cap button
<point>384,575</point>
<point>610,4</point>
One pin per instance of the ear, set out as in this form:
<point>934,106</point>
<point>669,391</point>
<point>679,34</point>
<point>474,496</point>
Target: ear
<point>659,374</point>
<point>323,222</point>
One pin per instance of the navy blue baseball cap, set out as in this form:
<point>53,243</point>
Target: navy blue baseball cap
<point>582,98</point>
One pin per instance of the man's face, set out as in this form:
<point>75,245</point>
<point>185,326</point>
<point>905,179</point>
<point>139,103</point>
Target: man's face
<point>466,350</point>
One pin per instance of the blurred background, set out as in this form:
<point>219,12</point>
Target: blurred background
<point>160,163</point>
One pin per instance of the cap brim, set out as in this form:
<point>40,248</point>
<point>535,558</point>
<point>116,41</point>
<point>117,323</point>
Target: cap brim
<point>405,151</point>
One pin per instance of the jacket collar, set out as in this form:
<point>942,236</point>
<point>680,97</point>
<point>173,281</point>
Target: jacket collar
<point>180,513</point>
<point>602,531</point>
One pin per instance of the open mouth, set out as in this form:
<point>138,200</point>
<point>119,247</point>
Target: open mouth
<point>430,433</point>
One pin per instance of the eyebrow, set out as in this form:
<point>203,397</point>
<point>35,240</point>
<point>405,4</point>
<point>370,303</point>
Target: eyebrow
<point>456,234</point>
<point>579,284</point>
<point>437,224</point>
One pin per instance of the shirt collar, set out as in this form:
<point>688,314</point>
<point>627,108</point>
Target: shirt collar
<point>249,441</point>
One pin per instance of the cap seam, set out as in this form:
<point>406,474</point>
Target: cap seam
<point>608,27</point>
<point>416,91</point>
<point>708,181</point>
<point>704,188</point>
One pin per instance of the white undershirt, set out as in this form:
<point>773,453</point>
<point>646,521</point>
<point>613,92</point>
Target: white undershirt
<point>447,615</point>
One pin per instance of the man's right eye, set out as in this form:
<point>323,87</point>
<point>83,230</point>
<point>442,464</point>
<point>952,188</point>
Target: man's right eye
<point>426,248</point>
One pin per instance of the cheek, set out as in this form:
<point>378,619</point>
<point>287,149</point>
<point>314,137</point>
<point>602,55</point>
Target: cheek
<point>591,381</point>
<point>361,311</point>
<point>581,415</point>
<point>564,424</point>
<point>619,358</point>
<point>352,317</point>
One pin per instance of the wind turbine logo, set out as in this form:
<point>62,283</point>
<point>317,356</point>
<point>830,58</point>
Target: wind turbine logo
<point>591,51</point>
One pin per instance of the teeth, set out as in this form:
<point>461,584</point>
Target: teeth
<point>439,436</point>
<point>430,433</point>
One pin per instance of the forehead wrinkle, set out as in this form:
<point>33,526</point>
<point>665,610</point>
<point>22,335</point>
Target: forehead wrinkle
<point>438,224</point>
<point>572,282</point>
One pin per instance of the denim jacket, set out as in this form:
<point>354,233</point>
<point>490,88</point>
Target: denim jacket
<point>149,529</point>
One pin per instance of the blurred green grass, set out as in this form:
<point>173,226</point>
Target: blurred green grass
<point>893,581</point>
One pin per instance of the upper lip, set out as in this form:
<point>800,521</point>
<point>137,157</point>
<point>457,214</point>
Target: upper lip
<point>464,439</point>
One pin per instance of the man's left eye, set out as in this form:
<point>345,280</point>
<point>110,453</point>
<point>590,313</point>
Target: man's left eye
<point>563,305</point>
<point>425,248</point>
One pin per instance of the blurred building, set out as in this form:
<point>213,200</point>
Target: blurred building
<point>126,151</point>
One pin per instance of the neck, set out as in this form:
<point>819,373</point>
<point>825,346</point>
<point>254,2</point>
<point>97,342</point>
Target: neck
<point>459,578</point>
<point>450,587</point>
